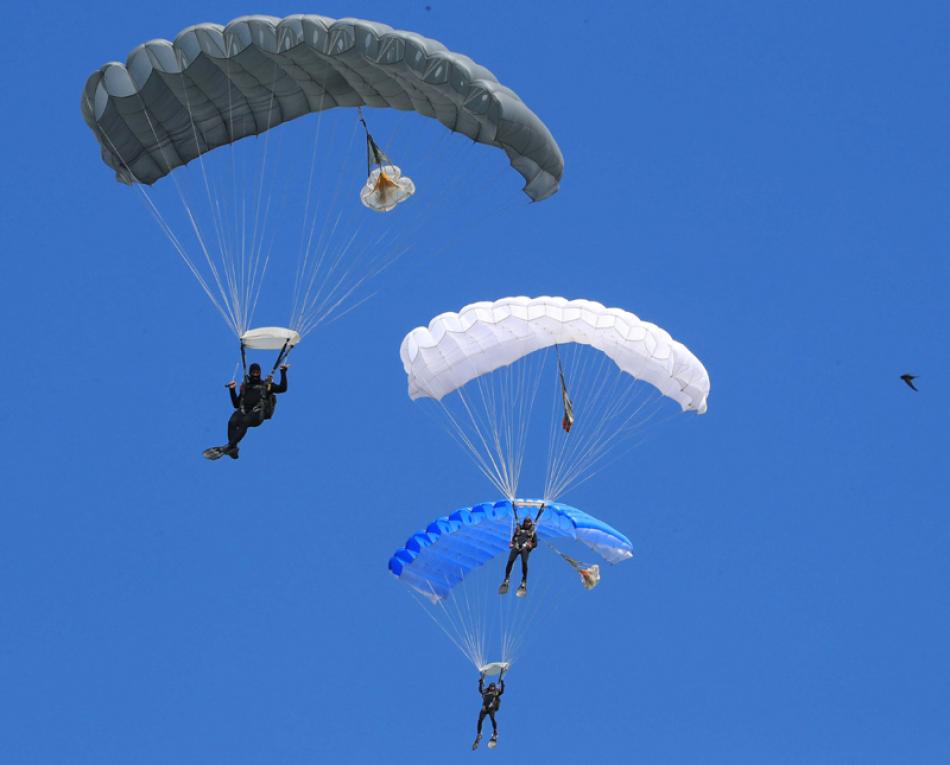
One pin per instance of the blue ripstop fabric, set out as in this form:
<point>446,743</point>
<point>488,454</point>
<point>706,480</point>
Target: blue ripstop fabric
<point>436,559</point>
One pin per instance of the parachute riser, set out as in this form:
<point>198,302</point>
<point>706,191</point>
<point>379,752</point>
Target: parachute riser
<point>281,358</point>
<point>515,504</point>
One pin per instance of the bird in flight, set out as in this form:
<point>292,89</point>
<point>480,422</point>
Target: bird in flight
<point>909,379</point>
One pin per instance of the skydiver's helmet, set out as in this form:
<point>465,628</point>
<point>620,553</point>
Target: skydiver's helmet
<point>492,687</point>
<point>254,370</point>
<point>527,524</point>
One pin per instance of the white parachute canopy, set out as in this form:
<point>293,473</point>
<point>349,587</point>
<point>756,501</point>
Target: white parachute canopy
<point>484,364</point>
<point>458,347</point>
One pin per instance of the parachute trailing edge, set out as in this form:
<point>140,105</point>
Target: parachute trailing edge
<point>436,559</point>
<point>173,101</point>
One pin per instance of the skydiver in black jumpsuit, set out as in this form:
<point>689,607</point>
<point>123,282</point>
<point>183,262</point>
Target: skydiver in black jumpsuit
<point>491,701</point>
<point>523,541</point>
<point>252,404</point>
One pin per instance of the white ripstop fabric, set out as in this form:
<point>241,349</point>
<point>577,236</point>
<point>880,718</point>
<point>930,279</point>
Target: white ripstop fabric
<point>385,188</point>
<point>270,338</point>
<point>458,347</point>
<point>494,668</point>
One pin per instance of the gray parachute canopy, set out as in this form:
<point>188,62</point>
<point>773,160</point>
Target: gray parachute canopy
<point>172,102</point>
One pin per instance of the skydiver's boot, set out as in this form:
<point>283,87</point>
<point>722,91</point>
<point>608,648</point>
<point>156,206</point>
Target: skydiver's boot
<point>477,739</point>
<point>522,590</point>
<point>493,741</point>
<point>503,590</point>
<point>233,452</point>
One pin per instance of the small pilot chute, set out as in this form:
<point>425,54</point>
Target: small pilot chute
<point>589,573</point>
<point>385,188</point>
<point>385,185</point>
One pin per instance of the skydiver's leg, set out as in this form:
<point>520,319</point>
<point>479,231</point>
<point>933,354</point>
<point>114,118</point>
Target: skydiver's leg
<point>239,423</point>
<point>494,725</point>
<point>237,427</point>
<point>478,735</point>
<point>524,566</point>
<point>511,562</point>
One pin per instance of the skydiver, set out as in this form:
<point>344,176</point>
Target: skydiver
<point>491,701</point>
<point>253,403</point>
<point>523,541</point>
<point>909,379</point>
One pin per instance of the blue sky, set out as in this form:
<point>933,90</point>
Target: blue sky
<point>767,181</point>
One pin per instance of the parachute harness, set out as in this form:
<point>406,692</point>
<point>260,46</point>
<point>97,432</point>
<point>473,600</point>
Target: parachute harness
<point>267,400</point>
<point>514,514</point>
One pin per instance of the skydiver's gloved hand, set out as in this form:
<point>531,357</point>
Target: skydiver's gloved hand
<point>284,367</point>
<point>231,385</point>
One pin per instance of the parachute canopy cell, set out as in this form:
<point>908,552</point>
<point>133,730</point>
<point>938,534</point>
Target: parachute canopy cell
<point>458,347</point>
<point>270,338</point>
<point>173,101</point>
<point>439,557</point>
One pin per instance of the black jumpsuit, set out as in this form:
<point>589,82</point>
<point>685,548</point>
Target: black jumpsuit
<point>491,700</point>
<point>249,405</point>
<point>522,543</point>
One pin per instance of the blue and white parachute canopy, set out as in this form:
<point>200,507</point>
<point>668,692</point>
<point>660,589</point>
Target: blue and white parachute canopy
<point>438,558</point>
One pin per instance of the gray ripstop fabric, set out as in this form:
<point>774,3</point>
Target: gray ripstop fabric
<point>215,84</point>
